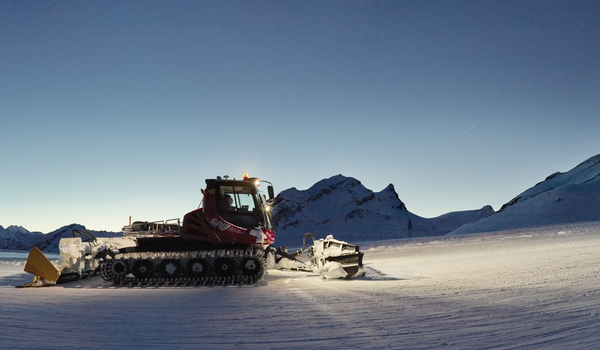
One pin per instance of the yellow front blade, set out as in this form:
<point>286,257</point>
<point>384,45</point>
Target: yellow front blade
<point>39,265</point>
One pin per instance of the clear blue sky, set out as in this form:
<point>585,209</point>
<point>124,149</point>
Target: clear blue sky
<point>118,108</point>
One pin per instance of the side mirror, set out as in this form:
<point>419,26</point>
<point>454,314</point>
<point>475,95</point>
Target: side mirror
<point>271,192</point>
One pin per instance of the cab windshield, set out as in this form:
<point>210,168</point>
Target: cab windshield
<point>238,205</point>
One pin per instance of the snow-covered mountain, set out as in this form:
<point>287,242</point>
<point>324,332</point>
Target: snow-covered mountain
<point>19,238</point>
<point>561,198</point>
<point>342,206</point>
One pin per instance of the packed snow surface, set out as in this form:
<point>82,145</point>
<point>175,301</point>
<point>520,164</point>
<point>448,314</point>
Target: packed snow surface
<point>523,289</point>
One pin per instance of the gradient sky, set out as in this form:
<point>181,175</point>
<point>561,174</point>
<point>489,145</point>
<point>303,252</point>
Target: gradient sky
<point>118,108</point>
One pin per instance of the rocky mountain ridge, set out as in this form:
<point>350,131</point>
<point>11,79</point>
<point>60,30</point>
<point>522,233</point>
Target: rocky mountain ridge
<point>342,206</point>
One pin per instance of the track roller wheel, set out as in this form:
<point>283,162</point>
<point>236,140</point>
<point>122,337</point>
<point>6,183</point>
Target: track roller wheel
<point>119,268</point>
<point>250,266</point>
<point>197,267</point>
<point>224,267</point>
<point>143,268</point>
<point>170,268</point>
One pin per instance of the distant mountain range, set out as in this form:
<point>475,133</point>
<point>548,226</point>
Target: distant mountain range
<point>342,206</point>
<point>19,238</point>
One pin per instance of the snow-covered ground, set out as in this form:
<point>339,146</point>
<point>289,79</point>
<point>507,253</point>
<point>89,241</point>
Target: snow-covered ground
<point>526,289</point>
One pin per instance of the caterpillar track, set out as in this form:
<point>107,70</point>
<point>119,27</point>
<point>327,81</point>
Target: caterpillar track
<point>176,268</point>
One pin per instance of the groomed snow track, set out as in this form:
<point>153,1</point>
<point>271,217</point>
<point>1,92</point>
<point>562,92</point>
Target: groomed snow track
<point>201,267</point>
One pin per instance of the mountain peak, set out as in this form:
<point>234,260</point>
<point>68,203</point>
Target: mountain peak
<point>344,207</point>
